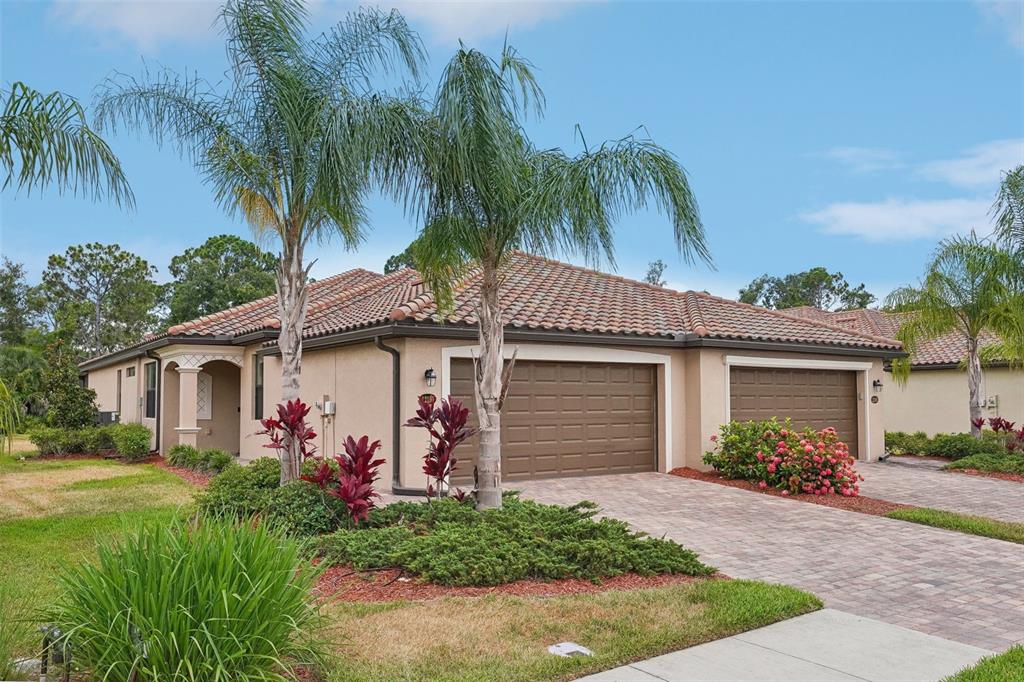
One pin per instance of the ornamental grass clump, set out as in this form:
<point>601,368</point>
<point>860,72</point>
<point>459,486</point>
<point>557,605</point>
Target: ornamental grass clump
<point>212,600</point>
<point>777,455</point>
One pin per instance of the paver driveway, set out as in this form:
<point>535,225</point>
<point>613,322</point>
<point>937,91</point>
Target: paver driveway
<point>961,587</point>
<point>925,486</point>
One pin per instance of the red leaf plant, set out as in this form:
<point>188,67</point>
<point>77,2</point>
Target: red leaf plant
<point>978,423</point>
<point>999,424</point>
<point>290,430</point>
<point>353,481</point>
<point>446,425</point>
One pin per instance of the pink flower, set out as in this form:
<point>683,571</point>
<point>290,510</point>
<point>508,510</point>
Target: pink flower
<point>760,457</point>
<point>771,468</point>
<point>808,449</point>
<point>714,438</point>
<point>762,485</point>
<point>785,493</point>
<point>783,433</point>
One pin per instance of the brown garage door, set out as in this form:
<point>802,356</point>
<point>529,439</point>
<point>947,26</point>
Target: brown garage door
<point>568,419</point>
<point>810,397</point>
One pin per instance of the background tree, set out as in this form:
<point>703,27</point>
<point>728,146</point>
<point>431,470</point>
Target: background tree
<point>225,271</point>
<point>10,418</point>
<point>45,140</point>
<point>18,308</point>
<point>294,140</point>
<point>1008,209</point>
<point>400,260</point>
<point>655,270</point>
<point>70,405</point>
<point>815,287</point>
<point>107,293</point>
<point>969,286</point>
<point>488,190</point>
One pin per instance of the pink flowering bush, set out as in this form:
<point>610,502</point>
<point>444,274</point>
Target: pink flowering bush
<point>777,455</point>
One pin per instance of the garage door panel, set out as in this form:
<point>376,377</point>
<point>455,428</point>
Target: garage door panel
<point>565,419</point>
<point>817,398</point>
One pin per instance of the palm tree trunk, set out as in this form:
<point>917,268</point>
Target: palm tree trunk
<point>488,388</point>
<point>974,385</point>
<point>292,301</point>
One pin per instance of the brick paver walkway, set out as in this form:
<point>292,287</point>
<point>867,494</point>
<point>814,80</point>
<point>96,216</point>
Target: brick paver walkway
<point>961,587</point>
<point>928,487</point>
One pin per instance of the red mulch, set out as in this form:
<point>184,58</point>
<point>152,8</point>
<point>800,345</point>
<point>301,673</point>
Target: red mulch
<point>194,477</point>
<point>344,584</point>
<point>864,505</point>
<point>1004,475</point>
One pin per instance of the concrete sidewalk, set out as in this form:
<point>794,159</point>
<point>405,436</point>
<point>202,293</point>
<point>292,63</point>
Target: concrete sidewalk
<point>823,646</point>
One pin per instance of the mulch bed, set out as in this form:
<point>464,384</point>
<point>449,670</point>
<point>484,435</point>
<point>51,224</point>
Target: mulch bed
<point>864,505</point>
<point>344,584</point>
<point>196,478</point>
<point>1003,475</point>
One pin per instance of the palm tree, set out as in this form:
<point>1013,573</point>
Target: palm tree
<point>44,140</point>
<point>487,190</point>
<point>1008,209</point>
<point>10,417</point>
<point>970,286</point>
<point>295,141</point>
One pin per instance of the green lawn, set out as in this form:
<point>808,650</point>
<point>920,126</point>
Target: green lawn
<point>973,525</point>
<point>1007,464</point>
<point>1005,667</point>
<point>506,638</point>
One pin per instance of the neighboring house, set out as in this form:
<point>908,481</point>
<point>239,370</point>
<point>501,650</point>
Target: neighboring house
<point>612,375</point>
<point>935,398</point>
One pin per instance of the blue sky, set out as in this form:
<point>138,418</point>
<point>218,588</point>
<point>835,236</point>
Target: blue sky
<point>848,135</point>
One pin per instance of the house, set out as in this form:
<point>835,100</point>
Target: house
<point>935,398</point>
<point>612,375</point>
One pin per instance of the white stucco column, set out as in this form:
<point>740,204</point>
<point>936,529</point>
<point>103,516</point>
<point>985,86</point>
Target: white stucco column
<point>188,383</point>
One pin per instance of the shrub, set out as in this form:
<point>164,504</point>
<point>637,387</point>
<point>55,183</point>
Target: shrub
<point>290,434</point>
<point>301,509</point>
<point>238,606</point>
<point>179,455</point>
<point>777,455</point>
<point>96,439</point>
<point>448,542</point>
<point>70,405</point>
<point>1007,464</point>
<point>352,480</point>
<point>900,443</point>
<point>957,445</point>
<point>217,460</point>
<point>50,440</point>
<point>446,426</point>
<point>131,441</point>
<point>241,491</point>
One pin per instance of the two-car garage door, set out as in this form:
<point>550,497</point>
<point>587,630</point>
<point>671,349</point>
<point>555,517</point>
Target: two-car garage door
<point>811,397</point>
<point>569,419</point>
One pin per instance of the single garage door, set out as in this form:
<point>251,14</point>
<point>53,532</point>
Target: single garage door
<point>568,419</point>
<point>810,397</point>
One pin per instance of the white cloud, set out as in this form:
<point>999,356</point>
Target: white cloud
<point>902,219</point>
<point>1007,17</point>
<point>978,166</point>
<point>864,159</point>
<point>471,20</point>
<point>148,24</point>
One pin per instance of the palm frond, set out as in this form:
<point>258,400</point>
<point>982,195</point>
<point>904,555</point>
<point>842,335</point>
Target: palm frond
<point>46,140</point>
<point>1008,209</point>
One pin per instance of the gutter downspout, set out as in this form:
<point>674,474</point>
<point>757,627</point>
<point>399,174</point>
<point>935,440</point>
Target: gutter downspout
<point>159,394</point>
<point>396,422</point>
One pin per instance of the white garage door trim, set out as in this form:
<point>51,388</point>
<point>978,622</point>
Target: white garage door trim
<point>862,368</point>
<point>530,351</point>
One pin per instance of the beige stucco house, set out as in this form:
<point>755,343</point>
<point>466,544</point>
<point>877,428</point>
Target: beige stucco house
<point>612,375</point>
<point>934,399</point>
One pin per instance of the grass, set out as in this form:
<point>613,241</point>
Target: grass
<point>1007,464</point>
<point>506,638</point>
<point>1004,667</point>
<point>972,525</point>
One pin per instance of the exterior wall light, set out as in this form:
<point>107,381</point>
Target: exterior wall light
<point>430,377</point>
<point>877,385</point>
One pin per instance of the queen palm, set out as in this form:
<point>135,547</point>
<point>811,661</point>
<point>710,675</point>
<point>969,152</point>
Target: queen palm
<point>293,142</point>
<point>1008,209</point>
<point>46,140</point>
<point>971,286</point>
<point>487,191</point>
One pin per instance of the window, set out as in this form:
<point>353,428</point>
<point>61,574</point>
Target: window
<point>257,388</point>
<point>118,408</point>
<point>130,372</point>
<point>204,396</point>
<point>150,370</point>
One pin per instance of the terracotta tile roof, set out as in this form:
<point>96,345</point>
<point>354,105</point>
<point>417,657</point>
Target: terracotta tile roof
<point>945,350</point>
<point>262,313</point>
<point>538,293</point>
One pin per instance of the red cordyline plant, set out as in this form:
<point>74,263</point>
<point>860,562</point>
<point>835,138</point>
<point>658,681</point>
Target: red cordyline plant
<point>446,425</point>
<point>999,424</point>
<point>290,432</point>
<point>353,481</point>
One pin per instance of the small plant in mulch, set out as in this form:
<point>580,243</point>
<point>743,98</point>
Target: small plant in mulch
<point>777,455</point>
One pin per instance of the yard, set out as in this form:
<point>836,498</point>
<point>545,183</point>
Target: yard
<point>53,512</point>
